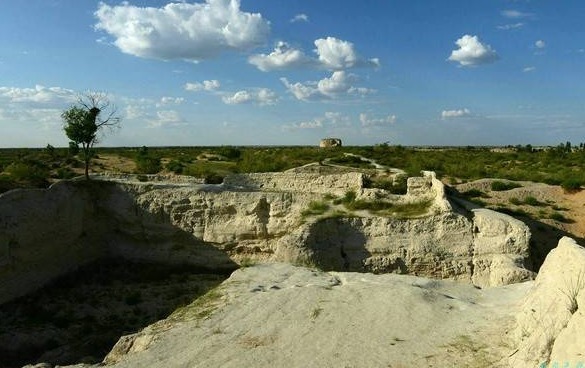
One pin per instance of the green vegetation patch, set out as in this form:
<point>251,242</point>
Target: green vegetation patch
<point>316,208</point>
<point>500,186</point>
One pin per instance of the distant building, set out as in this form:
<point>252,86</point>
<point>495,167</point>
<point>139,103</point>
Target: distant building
<point>330,142</point>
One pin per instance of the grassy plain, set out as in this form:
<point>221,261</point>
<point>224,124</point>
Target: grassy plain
<point>40,167</point>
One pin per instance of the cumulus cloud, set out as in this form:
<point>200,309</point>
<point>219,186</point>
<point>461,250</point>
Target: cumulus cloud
<point>472,52</point>
<point>260,96</point>
<point>529,69</point>
<point>367,121</point>
<point>282,57</point>
<point>540,44</point>
<point>329,119</point>
<point>332,54</point>
<point>165,118</point>
<point>338,85</point>
<point>39,94</point>
<point>300,18</point>
<point>206,85</point>
<point>515,14</point>
<point>182,30</point>
<point>338,54</point>
<point>453,114</point>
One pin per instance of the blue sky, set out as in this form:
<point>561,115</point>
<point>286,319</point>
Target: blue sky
<point>289,72</point>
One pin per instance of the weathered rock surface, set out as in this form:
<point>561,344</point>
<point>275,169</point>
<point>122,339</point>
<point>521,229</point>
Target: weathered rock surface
<point>551,323</point>
<point>254,217</point>
<point>278,315</point>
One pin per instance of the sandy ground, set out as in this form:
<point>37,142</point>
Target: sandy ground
<point>283,316</point>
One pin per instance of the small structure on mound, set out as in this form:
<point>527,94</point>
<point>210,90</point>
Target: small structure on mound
<point>330,142</point>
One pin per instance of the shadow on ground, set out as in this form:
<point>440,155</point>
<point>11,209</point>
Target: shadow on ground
<point>80,316</point>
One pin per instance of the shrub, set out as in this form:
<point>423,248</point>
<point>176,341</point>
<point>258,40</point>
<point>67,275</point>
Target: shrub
<point>175,166</point>
<point>315,208</point>
<point>347,198</point>
<point>571,185</point>
<point>148,165</point>
<point>500,186</point>
<point>28,172</point>
<point>531,201</point>
<point>561,218</point>
<point>515,201</point>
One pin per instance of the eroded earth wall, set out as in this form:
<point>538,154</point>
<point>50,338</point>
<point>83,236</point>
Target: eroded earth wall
<point>46,233</point>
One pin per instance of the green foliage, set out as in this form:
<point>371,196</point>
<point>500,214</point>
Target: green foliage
<point>73,148</point>
<point>348,198</point>
<point>316,208</point>
<point>175,166</point>
<point>80,125</point>
<point>147,163</point>
<point>571,185</point>
<point>532,201</point>
<point>397,185</point>
<point>350,160</point>
<point>500,186</point>
<point>29,172</point>
<point>557,216</point>
<point>230,153</point>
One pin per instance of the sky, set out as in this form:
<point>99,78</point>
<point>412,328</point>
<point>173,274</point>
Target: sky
<point>290,72</point>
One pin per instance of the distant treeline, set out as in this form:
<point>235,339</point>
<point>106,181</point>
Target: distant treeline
<point>559,165</point>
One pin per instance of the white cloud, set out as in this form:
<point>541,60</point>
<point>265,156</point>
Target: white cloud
<point>170,101</point>
<point>261,96</point>
<point>301,91</point>
<point>472,52</point>
<point>338,54</point>
<point>529,69</point>
<point>283,57</point>
<point>329,119</point>
<point>540,44</point>
<point>371,122</point>
<point>451,114</point>
<point>332,54</point>
<point>338,85</point>
<point>300,18</point>
<point>206,85</point>
<point>165,118</point>
<point>182,30</point>
<point>507,27</point>
<point>39,94</point>
<point>134,111</point>
<point>515,14</point>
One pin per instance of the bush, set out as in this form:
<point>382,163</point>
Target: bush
<point>561,218</point>
<point>28,172</point>
<point>175,166</point>
<point>571,185</point>
<point>500,186</point>
<point>231,153</point>
<point>531,201</point>
<point>316,208</point>
<point>147,164</point>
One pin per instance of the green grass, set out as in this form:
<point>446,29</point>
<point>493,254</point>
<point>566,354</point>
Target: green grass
<point>316,208</point>
<point>499,186</point>
<point>554,166</point>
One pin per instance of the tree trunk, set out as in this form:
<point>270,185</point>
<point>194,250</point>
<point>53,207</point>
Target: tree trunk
<point>86,159</point>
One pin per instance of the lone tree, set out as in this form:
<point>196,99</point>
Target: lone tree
<point>86,119</point>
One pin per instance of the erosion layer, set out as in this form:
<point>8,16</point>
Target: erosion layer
<point>251,218</point>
